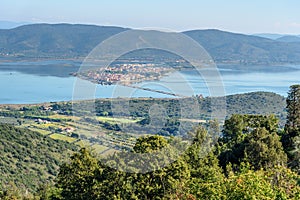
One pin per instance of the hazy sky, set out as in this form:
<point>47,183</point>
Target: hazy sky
<point>247,16</point>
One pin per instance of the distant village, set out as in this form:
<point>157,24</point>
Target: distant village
<point>125,74</point>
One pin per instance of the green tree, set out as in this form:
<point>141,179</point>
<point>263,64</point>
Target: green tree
<point>86,177</point>
<point>77,178</point>
<point>233,131</point>
<point>292,127</point>
<point>238,126</point>
<point>251,138</point>
<point>12,192</point>
<point>295,154</point>
<point>284,181</point>
<point>264,149</point>
<point>149,144</point>
<point>202,162</point>
<point>165,171</point>
<point>206,175</point>
<point>248,184</point>
<point>293,109</point>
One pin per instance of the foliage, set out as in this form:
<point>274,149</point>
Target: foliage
<point>76,179</point>
<point>264,149</point>
<point>247,162</point>
<point>86,178</point>
<point>251,138</point>
<point>29,159</point>
<point>290,139</point>
<point>293,109</point>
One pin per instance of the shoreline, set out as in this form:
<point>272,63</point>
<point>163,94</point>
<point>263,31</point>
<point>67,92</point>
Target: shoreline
<point>8,59</point>
<point>125,98</point>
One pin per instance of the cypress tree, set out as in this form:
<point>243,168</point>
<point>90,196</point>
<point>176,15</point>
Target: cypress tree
<point>293,110</point>
<point>292,126</point>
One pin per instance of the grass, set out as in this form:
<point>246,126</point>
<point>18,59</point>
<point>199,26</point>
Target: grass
<point>108,152</point>
<point>8,120</point>
<point>82,127</point>
<point>47,126</point>
<point>57,136</point>
<point>43,126</point>
<point>99,148</point>
<point>86,129</point>
<point>117,120</point>
<point>83,143</point>
<point>41,131</point>
<point>64,117</point>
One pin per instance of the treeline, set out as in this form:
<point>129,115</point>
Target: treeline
<point>249,103</point>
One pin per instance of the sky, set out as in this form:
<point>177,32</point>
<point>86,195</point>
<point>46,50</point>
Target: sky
<point>244,16</point>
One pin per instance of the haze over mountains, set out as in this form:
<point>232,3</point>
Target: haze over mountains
<point>279,37</point>
<point>289,38</point>
<point>11,24</point>
<point>70,41</point>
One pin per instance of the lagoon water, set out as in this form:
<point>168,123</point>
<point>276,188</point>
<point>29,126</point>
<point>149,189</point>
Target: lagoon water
<point>48,81</point>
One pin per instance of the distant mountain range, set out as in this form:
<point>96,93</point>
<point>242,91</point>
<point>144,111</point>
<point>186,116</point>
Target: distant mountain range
<point>280,37</point>
<point>69,41</point>
<point>272,36</point>
<point>246,49</point>
<point>10,24</point>
<point>54,40</point>
<point>289,38</point>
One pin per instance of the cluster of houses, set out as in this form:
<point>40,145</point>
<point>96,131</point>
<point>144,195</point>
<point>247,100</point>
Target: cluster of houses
<point>125,73</point>
<point>64,129</point>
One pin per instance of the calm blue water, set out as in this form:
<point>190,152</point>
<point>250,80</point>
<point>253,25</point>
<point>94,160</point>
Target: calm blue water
<point>44,82</point>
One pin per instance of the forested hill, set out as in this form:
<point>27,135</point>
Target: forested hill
<point>257,103</point>
<point>69,41</point>
<point>29,159</point>
<point>54,40</point>
<point>231,47</point>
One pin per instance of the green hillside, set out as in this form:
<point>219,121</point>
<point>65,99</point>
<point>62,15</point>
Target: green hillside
<point>29,159</point>
<point>59,40</point>
<point>245,49</point>
<point>256,103</point>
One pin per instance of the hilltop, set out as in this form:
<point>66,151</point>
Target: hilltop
<point>54,40</point>
<point>245,49</point>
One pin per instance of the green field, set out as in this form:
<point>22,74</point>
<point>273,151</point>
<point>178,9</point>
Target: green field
<point>117,120</point>
<point>57,122</point>
<point>41,131</point>
<point>58,136</point>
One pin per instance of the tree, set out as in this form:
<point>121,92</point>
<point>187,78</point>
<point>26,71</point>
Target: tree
<point>251,136</point>
<point>150,153</point>
<point>12,192</point>
<point>149,144</point>
<point>77,179</point>
<point>293,109</point>
<point>206,175</point>
<point>295,161</point>
<point>200,158</point>
<point>87,177</point>
<point>285,181</point>
<point>238,126</point>
<point>248,184</point>
<point>292,126</point>
<point>264,149</point>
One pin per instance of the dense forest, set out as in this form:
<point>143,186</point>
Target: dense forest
<point>251,157</point>
<point>28,159</point>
